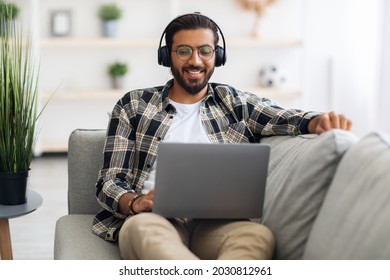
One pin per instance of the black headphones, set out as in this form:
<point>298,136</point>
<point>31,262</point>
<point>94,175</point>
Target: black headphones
<point>164,54</point>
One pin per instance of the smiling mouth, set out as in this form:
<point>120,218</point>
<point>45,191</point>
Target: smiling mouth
<point>194,73</point>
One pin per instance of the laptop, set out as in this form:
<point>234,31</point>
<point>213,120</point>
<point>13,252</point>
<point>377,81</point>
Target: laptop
<point>211,181</point>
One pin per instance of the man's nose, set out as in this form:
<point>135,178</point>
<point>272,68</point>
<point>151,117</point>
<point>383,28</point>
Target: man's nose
<point>194,59</point>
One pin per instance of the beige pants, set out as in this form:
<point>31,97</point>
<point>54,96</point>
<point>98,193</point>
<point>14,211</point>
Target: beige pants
<point>148,236</point>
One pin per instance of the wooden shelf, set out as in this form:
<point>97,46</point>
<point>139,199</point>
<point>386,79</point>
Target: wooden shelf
<point>55,42</point>
<point>50,147</point>
<point>275,94</point>
<point>96,42</point>
<point>108,94</point>
<point>253,42</point>
<point>116,94</point>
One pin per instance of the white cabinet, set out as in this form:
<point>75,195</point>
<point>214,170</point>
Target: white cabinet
<point>76,66</point>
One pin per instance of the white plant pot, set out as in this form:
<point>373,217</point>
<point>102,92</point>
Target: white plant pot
<point>110,28</point>
<point>117,82</point>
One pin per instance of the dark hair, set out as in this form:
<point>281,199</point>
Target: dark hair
<point>189,22</point>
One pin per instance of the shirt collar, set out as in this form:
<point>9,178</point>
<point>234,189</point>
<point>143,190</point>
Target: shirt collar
<point>164,95</point>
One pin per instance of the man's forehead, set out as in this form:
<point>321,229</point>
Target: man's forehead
<point>201,36</point>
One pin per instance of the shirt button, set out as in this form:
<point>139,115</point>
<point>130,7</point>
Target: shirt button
<point>158,138</point>
<point>148,166</point>
<point>171,117</point>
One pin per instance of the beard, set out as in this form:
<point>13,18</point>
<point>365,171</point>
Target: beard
<point>192,86</point>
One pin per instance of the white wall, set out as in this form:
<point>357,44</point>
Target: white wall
<point>343,40</point>
<point>384,92</point>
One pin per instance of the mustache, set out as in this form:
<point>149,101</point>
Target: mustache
<point>193,68</point>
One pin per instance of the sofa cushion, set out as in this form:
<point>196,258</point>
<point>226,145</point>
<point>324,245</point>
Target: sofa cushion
<point>300,171</point>
<point>74,240</point>
<point>354,220</point>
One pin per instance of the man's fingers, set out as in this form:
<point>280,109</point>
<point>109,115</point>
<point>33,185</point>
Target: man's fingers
<point>349,125</point>
<point>320,130</point>
<point>345,123</point>
<point>150,195</point>
<point>324,123</point>
<point>328,121</point>
<point>145,203</point>
<point>334,120</point>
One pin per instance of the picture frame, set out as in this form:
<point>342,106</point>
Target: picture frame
<point>61,23</point>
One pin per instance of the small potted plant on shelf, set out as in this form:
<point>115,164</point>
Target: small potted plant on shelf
<point>117,71</point>
<point>9,12</point>
<point>109,14</point>
<point>18,112</point>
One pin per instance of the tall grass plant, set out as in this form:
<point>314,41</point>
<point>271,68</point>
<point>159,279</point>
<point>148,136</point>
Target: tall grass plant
<point>19,76</point>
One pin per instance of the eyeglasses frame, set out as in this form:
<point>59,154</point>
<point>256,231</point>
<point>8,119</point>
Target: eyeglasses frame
<point>192,52</point>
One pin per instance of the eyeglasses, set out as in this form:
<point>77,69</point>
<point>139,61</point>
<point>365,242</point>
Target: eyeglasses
<point>185,52</point>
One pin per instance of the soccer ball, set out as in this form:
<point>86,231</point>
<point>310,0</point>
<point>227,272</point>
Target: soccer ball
<point>270,76</point>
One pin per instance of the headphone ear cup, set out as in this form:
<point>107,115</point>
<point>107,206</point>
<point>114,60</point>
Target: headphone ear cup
<point>220,57</point>
<point>164,58</point>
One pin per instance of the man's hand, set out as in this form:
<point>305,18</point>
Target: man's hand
<point>144,203</point>
<point>328,121</point>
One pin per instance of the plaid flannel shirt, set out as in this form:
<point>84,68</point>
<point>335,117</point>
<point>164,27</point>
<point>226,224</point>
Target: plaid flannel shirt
<point>140,120</point>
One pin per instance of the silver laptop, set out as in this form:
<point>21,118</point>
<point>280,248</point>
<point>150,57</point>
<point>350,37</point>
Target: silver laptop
<point>211,181</point>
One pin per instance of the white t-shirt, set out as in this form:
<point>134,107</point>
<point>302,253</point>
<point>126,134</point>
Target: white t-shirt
<point>186,127</point>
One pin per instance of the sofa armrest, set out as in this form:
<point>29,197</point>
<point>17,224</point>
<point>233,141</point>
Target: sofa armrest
<point>85,158</point>
<point>74,240</point>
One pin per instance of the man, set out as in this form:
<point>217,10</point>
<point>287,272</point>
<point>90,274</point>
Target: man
<point>187,109</point>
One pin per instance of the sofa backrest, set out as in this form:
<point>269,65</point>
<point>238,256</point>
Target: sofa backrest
<point>353,222</point>
<point>85,158</point>
<point>300,171</point>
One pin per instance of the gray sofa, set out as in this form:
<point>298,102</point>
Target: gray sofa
<point>327,197</point>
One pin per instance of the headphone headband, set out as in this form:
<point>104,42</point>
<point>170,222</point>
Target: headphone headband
<point>164,54</point>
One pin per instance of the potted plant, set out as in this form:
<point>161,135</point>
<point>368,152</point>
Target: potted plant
<point>9,12</point>
<point>117,71</point>
<point>18,112</point>
<point>109,14</point>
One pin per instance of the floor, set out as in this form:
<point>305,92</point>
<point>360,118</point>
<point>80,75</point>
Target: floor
<point>32,236</point>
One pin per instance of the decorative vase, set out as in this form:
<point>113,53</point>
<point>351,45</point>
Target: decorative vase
<point>13,188</point>
<point>256,32</point>
<point>110,28</point>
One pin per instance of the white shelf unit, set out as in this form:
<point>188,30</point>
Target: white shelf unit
<point>108,94</point>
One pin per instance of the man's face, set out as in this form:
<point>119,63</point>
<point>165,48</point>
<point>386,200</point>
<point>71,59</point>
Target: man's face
<point>193,74</point>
